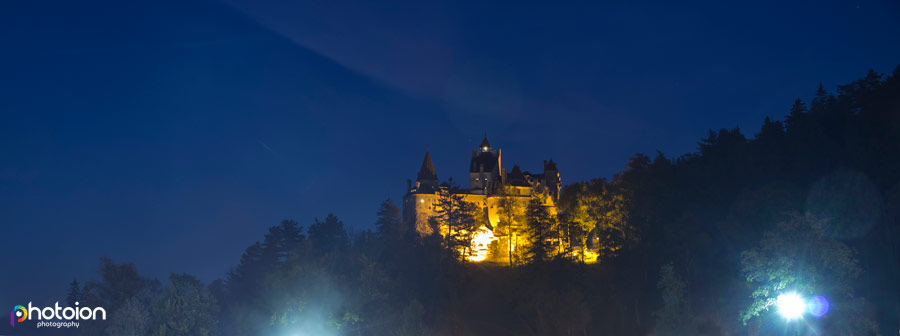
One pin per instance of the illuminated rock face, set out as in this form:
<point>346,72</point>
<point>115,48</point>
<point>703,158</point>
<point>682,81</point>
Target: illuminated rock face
<point>486,177</point>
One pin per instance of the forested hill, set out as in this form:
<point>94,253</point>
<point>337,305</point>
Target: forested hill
<point>699,244</point>
<point>829,175</point>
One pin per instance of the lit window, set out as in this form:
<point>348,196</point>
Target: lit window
<point>422,201</point>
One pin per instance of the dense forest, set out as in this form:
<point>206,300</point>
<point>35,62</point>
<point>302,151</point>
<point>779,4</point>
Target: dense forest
<point>699,244</point>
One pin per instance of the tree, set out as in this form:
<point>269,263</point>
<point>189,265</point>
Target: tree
<point>280,242</point>
<point>579,204</point>
<point>471,219</point>
<point>607,207</point>
<point>74,294</point>
<point>541,229</point>
<point>134,318</point>
<point>457,216</point>
<point>185,308</point>
<point>328,235</point>
<point>674,317</point>
<point>797,115</point>
<point>389,224</point>
<point>798,256</point>
<point>117,284</point>
<point>246,275</point>
<point>510,213</point>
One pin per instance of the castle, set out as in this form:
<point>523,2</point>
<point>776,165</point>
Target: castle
<point>486,177</point>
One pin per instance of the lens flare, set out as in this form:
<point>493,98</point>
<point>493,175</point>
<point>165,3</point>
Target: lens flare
<point>790,305</point>
<point>818,306</point>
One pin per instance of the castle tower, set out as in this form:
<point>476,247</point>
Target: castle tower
<point>418,203</point>
<point>551,179</point>
<point>427,177</point>
<point>484,169</point>
<point>485,145</point>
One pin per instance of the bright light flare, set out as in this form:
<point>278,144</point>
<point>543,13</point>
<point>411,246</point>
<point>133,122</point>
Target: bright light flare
<point>790,305</point>
<point>819,306</point>
<point>479,245</point>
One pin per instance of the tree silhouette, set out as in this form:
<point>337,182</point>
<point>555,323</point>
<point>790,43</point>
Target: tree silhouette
<point>328,235</point>
<point>185,308</point>
<point>511,217</point>
<point>541,229</point>
<point>74,293</point>
<point>454,219</point>
<point>389,224</point>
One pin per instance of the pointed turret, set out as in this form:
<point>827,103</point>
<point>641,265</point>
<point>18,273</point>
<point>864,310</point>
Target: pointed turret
<point>485,145</point>
<point>427,173</point>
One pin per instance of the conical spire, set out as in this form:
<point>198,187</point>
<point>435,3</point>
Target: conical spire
<point>485,145</point>
<point>427,172</point>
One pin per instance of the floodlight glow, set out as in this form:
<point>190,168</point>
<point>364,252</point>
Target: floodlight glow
<point>790,305</point>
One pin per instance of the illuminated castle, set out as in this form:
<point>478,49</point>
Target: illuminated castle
<point>486,176</point>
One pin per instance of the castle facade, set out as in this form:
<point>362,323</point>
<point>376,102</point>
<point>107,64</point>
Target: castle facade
<point>486,177</point>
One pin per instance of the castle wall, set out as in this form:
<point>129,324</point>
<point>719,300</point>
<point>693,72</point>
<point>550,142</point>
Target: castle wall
<point>485,173</point>
<point>419,207</point>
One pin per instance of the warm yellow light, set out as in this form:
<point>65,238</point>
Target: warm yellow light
<point>480,242</point>
<point>590,257</point>
<point>421,201</point>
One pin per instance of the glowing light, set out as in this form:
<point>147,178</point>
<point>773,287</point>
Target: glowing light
<point>790,305</point>
<point>819,306</point>
<point>421,201</point>
<point>480,242</point>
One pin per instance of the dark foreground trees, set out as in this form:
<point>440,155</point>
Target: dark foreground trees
<point>455,220</point>
<point>799,256</point>
<point>692,245</point>
<point>185,307</point>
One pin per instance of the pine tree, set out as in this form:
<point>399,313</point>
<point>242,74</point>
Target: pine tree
<point>510,213</point>
<point>821,100</point>
<point>578,203</point>
<point>541,229</point>
<point>328,235</point>
<point>797,115</point>
<point>244,279</point>
<point>453,219</point>
<point>281,242</point>
<point>471,219</point>
<point>186,307</point>
<point>389,225</point>
<point>74,294</point>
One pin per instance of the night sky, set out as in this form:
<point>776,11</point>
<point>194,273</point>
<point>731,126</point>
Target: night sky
<point>173,134</point>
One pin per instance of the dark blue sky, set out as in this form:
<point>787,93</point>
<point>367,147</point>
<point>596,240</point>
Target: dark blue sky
<point>172,134</point>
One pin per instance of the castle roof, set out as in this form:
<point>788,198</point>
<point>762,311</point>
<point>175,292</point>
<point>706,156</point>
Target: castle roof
<point>485,143</point>
<point>549,165</point>
<point>427,172</point>
<point>516,178</point>
<point>488,159</point>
